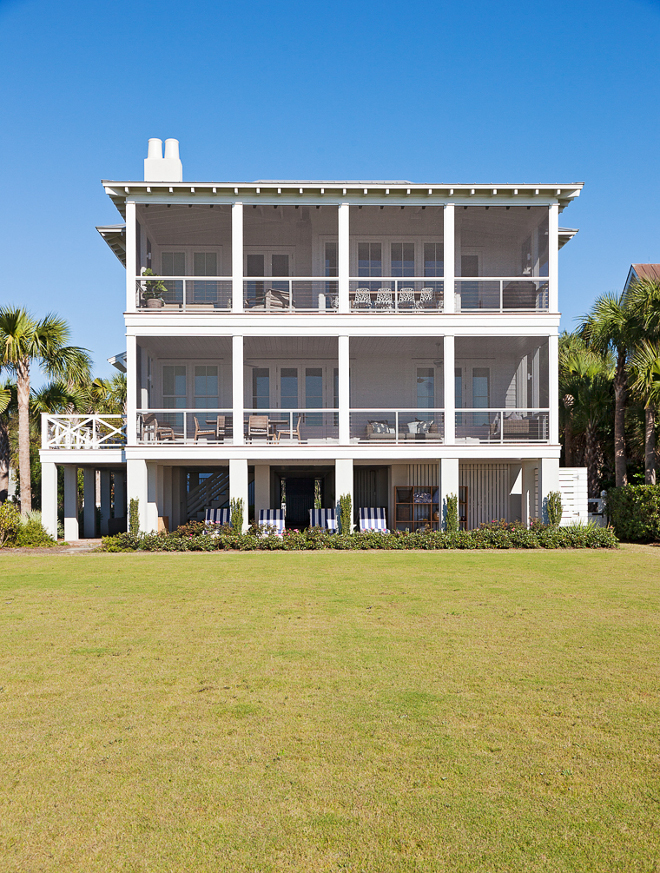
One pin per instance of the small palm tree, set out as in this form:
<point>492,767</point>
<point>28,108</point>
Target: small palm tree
<point>645,382</point>
<point>8,404</point>
<point>24,341</point>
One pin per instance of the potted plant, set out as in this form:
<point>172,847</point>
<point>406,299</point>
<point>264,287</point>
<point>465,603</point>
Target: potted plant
<point>152,291</point>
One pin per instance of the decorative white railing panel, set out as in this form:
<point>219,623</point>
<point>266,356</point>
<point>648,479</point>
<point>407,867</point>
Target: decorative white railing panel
<point>82,431</point>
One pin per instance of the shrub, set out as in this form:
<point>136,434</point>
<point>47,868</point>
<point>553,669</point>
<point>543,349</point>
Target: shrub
<point>10,521</point>
<point>451,517</point>
<point>345,514</point>
<point>32,533</point>
<point>634,512</point>
<point>134,516</point>
<point>554,508</point>
<point>236,513</point>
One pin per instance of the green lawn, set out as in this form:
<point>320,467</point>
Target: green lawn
<point>322,711</point>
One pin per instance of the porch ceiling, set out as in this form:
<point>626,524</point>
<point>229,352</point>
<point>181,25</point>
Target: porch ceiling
<point>186,346</point>
<point>495,347</point>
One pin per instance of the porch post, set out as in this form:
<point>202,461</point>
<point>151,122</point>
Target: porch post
<point>119,482</point>
<point>237,389</point>
<point>261,488</point>
<point>131,390</point>
<point>449,257</point>
<point>136,486</point>
<point>343,363</point>
<point>131,257</point>
<point>344,483</point>
<point>553,258</point>
<point>71,530</point>
<point>151,520</point>
<point>343,259</point>
<point>49,497</point>
<point>237,257</point>
<point>89,503</point>
<point>449,364</point>
<point>448,475</point>
<point>553,388</point>
<point>238,485</point>
<point>549,481</point>
<point>105,501</point>
<point>529,496</point>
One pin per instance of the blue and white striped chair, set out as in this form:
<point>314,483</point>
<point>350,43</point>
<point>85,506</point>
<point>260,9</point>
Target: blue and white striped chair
<point>326,518</point>
<point>218,516</point>
<point>373,518</point>
<point>272,518</point>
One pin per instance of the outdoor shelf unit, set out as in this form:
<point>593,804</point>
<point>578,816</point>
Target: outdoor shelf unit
<point>416,507</point>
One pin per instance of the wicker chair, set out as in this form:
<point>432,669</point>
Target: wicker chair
<point>362,298</point>
<point>406,298</point>
<point>385,299</point>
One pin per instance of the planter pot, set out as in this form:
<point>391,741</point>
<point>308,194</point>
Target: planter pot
<point>155,303</point>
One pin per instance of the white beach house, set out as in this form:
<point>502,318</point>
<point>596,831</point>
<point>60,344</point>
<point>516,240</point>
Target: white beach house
<point>385,339</point>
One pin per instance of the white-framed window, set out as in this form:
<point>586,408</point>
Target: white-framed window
<point>206,386</point>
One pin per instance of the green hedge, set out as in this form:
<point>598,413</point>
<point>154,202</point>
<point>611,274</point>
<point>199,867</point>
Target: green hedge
<point>634,512</point>
<point>499,535</point>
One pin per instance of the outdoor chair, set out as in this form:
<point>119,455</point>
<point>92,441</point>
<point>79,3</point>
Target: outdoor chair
<point>426,298</point>
<point>326,518</point>
<point>373,518</point>
<point>217,516</point>
<point>385,299</point>
<point>159,431</point>
<point>362,299</point>
<point>218,432</point>
<point>406,298</point>
<point>290,433</point>
<point>258,427</point>
<point>271,518</point>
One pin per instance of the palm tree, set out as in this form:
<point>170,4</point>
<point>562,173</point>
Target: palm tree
<point>23,341</point>
<point>7,408</point>
<point>645,382</point>
<point>612,326</point>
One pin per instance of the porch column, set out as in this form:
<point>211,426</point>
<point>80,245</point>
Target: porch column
<point>548,481</point>
<point>151,520</point>
<point>238,485</point>
<point>343,258</point>
<point>448,477</point>
<point>237,257</point>
<point>105,501</point>
<point>449,257</point>
<point>136,486</point>
<point>131,257</point>
<point>238,407</point>
<point>132,380</point>
<point>553,259</point>
<point>449,364</point>
<point>261,488</point>
<point>553,389</point>
<point>529,491</point>
<point>343,364</point>
<point>344,483</point>
<point>71,530</point>
<point>49,497</point>
<point>119,482</point>
<point>89,503</point>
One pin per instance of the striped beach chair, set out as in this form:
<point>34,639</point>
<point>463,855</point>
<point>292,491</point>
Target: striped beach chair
<point>217,516</point>
<point>326,518</point>
<point>373,518</point>
<point>272,518</point>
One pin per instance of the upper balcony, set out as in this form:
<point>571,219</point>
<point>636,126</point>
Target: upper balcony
<point>349,259</point>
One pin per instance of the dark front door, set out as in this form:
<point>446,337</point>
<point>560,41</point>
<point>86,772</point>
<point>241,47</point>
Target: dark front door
<point>299,500</point>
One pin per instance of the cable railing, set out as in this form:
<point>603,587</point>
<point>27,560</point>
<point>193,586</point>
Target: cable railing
<point>378,426</point>
<point>501,294</point>
<point>504,425</point>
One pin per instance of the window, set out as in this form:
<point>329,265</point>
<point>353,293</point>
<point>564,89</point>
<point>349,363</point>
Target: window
<point>314,394</point>
<point>174,393</point>
<point>425,387</point>
<point>206,387</point>
<point>370,259</point>
<point>481,393</point>
<point>173,264</point>
<point>434,259</point>
<point>402,259</point>
<point>260,388</point>
<point>289,387</point>
<point>331,262</point>
<point>205,264</point>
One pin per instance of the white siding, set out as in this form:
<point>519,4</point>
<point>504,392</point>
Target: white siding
<point>573,488</point>
<point>488,488</point>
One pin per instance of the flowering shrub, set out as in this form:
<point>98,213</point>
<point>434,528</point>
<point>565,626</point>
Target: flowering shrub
<point>495,535</point>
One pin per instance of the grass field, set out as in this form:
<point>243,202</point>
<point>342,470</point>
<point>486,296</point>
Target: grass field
<point>316,711</point>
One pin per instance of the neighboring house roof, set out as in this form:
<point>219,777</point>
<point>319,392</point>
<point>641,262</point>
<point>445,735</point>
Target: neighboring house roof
<point>119,361</point>
<point>115,236</point>
<point>566,234</point>
<point>642,271</point>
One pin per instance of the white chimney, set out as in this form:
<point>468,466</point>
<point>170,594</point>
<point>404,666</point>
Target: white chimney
<point>163,169</point>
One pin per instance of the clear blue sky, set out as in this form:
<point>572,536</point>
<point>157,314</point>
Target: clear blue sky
<point>428,91</point>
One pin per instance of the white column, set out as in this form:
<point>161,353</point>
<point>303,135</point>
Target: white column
<point>105,501</point>
<point>261,488</point>
<point>449,257</point>
<point>237,257</point>
<point>136,486</point>
<point>131,390</point>
<point>71,531</point>
<point>343,257</point>
<point>238,486</point>
<point>49,497</point>
<point>131,258</point>
<point>344,389</point>
<point>553,388</point>
<point>89,503</point>
<point>530,508</point>
<point>166,490</point>
<point>237,389</point>
<point>548,481</point>
<point>119,482</point>
<point>553,258</point>
<point>152,507</point>
<point>344,482</point>
<point>448,476</point>
<point>448,368</point>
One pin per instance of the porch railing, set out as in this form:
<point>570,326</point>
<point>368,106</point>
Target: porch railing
<point>409,426</point>
<point>82,431</point>
<point>508,425</point>
<point>166,426</point>
<point>286,426</point>
<point>180,293</point>
<point>391,294</point>
<point>501,294</point>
